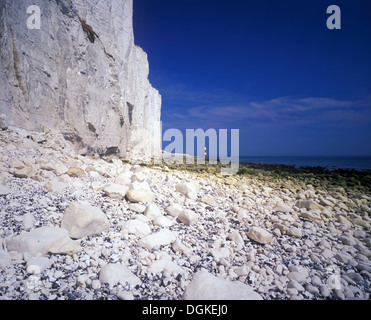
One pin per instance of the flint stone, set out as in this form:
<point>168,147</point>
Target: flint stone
<point>205,286</point>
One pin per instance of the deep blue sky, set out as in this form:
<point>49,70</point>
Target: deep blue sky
<point>269,68</point>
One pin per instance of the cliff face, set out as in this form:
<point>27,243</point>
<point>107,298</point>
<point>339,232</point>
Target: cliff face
<point>81,74</point>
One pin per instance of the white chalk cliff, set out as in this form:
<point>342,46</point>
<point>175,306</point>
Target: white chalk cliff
<point>80,74</point>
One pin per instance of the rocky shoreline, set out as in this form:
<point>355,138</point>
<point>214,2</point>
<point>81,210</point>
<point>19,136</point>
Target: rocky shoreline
<point>85,228</point>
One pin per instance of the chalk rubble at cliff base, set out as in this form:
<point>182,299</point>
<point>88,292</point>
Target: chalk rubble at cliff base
<point>139,235</point>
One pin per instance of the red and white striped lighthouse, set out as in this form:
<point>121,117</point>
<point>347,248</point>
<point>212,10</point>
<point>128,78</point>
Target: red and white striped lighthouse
<point>205,151</point>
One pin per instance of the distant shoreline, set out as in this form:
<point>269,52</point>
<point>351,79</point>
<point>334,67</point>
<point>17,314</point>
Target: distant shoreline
<point>299,162</point>
<point>300,169</point>
<point>315,175</point>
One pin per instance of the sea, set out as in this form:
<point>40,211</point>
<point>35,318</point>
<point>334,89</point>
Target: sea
<point>331,163</point>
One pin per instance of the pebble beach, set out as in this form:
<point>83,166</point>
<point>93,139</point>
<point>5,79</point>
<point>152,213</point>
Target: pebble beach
<point>79,227</point>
